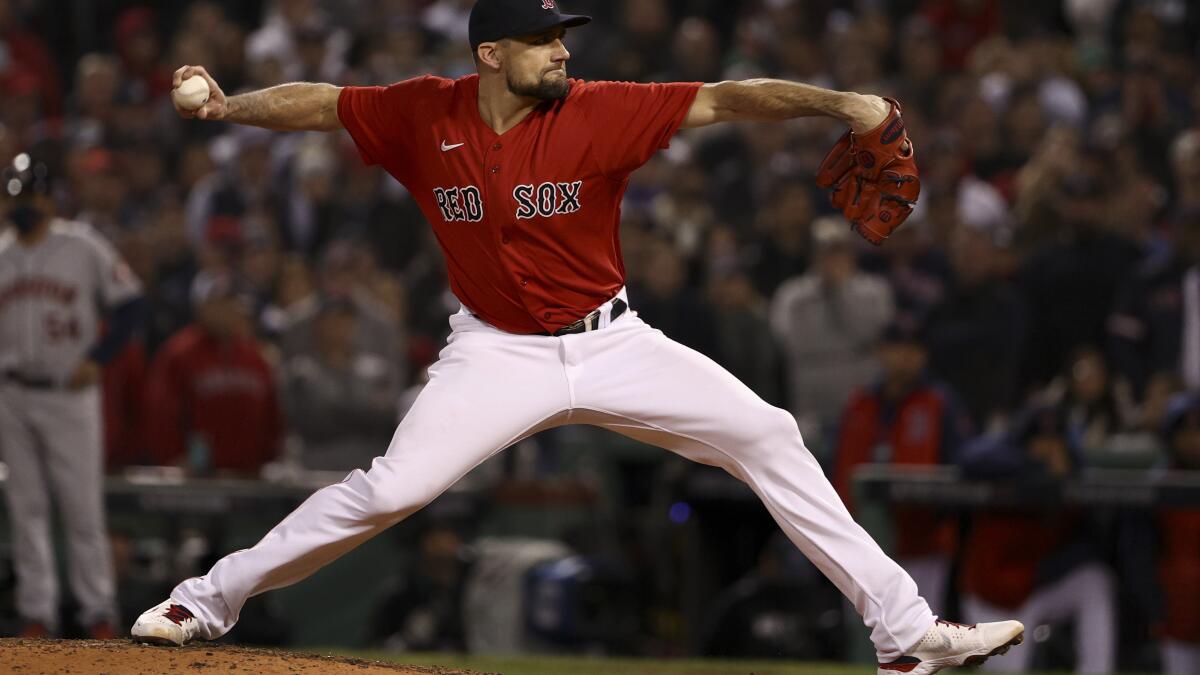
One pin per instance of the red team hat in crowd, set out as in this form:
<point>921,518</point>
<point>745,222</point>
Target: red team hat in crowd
<point>494,20</point>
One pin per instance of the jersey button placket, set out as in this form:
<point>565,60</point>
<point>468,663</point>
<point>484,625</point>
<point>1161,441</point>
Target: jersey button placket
<point>495,170</point>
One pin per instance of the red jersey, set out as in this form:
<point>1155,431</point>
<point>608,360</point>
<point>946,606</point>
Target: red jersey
<point>916,435</point>
<point>223,391</point>
<point>529,219</point>
<point>1005,550</point>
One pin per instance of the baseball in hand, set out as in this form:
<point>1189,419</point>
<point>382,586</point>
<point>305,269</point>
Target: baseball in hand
<point>192,93</point>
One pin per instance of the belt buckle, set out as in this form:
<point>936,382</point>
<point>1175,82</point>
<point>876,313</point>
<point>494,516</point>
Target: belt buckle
<point>587,324</point>
<point>591,321</point>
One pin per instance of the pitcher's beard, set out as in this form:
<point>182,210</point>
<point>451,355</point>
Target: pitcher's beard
<point>544,90</point>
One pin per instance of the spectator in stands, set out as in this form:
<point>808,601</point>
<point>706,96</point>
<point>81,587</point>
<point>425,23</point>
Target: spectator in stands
<point>341,400</point>
<point>20,114</point>
<point>211,403</point>
<point>344,275</point>
<point>256,261</point>
<point>920,63</point>
<point>695,52</point>
<point>1179,547</point>
<point>784,231</point>
<point>448,19</point>
<point>779,609</point>
<point>743,339</point>
<point>1155,324</point>
<point>915,268</point>
<point>138,43</point>
<point>827,323</point>
<point>93,104</point>
<point>1071,282</point>
<point>906,418</point>
<point>310,221</point>
<point>297,35</point>
<point>633,51</point>
<point>424,611</point>
<point>148,188</point>
<point>1044,566</point>
<point>684,210</point>
<point>27,59</point>
<point>168,263</point>
<point>244,183</point>
<point>1089,402</point>
<point>1185,167</point>
<point>976,336</point>
<point>964,23</point>
<point>101,189</point>
<point>666,301</point>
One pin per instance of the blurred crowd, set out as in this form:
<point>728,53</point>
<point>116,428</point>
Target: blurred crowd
<point>1038,314</point>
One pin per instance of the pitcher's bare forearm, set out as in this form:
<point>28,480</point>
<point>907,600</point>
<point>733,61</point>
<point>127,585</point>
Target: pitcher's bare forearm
<point>299,106</point>
<point>765,100</point>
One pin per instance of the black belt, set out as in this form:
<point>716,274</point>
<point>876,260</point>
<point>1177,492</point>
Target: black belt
<point>29,381</point>
<point>591,321</point>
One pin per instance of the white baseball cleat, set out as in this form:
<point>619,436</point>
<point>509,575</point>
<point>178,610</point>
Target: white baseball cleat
<point>948,645</point>
<point>168,623</point>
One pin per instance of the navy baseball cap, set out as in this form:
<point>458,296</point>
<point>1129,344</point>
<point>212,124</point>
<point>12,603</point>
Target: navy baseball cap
<point>494,20</point>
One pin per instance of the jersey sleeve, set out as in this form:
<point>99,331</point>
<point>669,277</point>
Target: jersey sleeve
<point>633,121</point>
<point>115,281</point>
<point>383,121</point>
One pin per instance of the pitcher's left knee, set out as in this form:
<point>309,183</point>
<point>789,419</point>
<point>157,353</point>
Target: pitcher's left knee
<point>774,431</point>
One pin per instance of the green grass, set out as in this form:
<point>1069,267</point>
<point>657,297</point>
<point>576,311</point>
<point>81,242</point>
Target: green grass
<point>547,665</point>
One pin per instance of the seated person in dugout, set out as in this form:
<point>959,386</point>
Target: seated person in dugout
<point>1042,564</point>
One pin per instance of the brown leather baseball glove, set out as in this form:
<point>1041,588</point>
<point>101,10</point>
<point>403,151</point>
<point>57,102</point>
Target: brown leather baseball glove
<point>872,177</point>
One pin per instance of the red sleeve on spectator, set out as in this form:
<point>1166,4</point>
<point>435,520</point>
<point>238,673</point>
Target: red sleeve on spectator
<point>632,121</point>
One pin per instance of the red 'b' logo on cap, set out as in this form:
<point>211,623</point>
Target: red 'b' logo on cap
<point>547,4</point>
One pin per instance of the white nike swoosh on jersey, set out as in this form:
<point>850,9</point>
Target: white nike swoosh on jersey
<point>448,148</point>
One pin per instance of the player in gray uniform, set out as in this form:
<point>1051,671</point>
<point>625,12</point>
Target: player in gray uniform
<point>56,279</point>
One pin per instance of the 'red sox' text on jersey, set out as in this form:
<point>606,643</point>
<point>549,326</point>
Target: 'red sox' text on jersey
<point>528,220</point>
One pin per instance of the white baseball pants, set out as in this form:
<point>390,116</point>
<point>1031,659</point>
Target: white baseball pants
<point>51,442</point>
<point>489,389</point>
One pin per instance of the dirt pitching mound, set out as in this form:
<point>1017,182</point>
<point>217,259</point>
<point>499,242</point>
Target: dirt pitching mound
<point>124,657</point>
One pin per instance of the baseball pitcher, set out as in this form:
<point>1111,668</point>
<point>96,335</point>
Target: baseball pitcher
<point>520,170</point>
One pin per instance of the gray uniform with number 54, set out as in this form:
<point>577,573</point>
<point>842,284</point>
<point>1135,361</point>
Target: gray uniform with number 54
<point>52,295</point>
